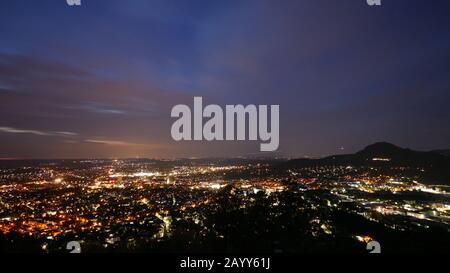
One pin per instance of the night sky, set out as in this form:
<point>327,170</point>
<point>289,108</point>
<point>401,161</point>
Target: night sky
<point>99,80</point>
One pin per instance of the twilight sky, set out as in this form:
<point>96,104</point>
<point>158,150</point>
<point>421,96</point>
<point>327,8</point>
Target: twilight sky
<point>99,80</point>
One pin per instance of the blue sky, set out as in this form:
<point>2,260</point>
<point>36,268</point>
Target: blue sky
<point>107,73</point>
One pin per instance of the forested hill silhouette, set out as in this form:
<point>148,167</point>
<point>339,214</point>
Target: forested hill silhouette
<point>445,152</point>
<point>435,166</point>
<point>398,155</point>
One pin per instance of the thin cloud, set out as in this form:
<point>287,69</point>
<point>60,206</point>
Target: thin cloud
<point>12,130</point>
<point>112,142</point>
<point>65,133</point>
<point>97,108</point>
<point>22,131</point>
<point>118,143</point>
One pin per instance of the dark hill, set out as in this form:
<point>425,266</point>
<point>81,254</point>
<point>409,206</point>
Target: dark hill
<point>387,155</point>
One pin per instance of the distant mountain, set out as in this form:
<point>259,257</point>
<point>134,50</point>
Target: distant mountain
<point>385,151</point>
<point>445,152</point>
<point>383,154</point>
